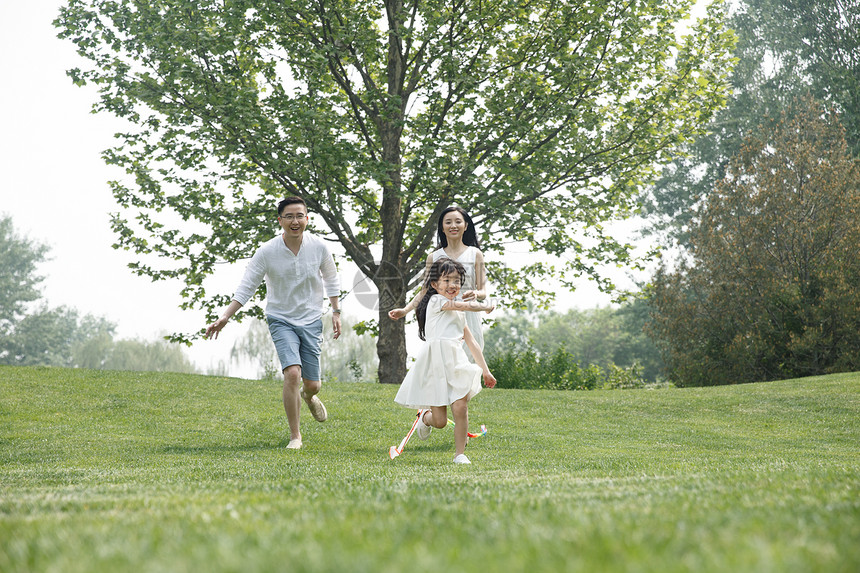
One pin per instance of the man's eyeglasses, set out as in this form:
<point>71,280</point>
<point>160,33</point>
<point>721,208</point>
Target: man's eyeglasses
<point>291,217</point>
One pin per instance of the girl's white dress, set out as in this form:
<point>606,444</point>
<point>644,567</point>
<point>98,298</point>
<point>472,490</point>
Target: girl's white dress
<point>442,373</point>
<point>473,319</point>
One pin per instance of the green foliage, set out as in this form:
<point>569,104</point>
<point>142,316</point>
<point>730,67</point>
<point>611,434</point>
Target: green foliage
<point>771,289</point>
<point>118,471</point>
<point>45,336</point>
<point>18,279</point>
<point>536,116</point>
<point>606,338</point>
<point>558,370</point>
<point>784,50</point>
<point>366,327</point>
<point>61,337</point>
<point>814,44</point>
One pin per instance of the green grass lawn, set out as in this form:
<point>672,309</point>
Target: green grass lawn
<point>108,471</point>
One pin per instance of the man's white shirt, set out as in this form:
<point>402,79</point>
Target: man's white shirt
<point>296,284</point>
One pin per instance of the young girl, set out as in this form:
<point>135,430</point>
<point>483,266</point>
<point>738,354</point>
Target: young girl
<point>442,373</point>
<point>458,240</point>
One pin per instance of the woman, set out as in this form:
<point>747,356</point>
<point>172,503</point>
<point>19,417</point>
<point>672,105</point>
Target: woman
<point>457,240</point>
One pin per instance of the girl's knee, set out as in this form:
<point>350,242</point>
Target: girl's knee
<point>460,407</point>
<point>439,417</point>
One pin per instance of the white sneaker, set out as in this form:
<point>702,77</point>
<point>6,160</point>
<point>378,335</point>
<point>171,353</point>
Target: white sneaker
<point>316,406</point>
<point>295,444</point>
<point>461,459</point>
<point>423,429</point>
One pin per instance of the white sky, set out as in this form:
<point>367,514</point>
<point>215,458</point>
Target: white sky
<point>53,183</point>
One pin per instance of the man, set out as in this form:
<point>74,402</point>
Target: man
<point>298,268</point>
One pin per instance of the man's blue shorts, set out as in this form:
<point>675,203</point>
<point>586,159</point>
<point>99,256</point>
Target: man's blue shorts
<point>298,345</point>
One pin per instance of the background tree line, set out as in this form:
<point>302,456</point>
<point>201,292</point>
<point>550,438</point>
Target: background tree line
<point>34,333</point>
<point>763,210</point>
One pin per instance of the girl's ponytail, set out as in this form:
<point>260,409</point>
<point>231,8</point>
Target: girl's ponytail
<point>421,311</point>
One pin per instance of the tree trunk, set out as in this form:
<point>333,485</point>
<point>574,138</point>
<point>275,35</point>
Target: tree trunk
<point>391,345</point>
<point>391,349</point>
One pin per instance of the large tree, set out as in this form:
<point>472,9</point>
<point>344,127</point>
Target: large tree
<point>785,49</point>
<point>772,289</point>
<point>540,117</point>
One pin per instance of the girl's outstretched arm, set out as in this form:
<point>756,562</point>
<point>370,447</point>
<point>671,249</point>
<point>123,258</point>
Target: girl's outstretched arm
<point>398,313</point>
<point>469,338</point>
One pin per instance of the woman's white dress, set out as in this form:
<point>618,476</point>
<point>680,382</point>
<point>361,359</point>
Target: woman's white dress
<point>473,319</point>
<point>442,373</point>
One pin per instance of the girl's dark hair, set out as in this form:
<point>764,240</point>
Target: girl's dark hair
<point>470,236</point>
<point>444,266</point>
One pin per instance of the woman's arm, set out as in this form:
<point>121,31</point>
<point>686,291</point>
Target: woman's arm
<point>480,277</point>
<point>470,305</point>
<point>480,291</point>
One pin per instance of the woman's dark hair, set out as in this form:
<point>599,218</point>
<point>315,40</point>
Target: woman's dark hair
<point>470,236</point>
<point>444,266</point>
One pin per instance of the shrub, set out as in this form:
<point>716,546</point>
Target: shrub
<point>559,370</point>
